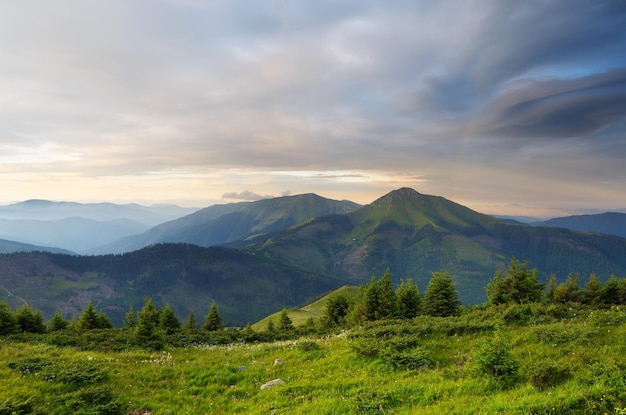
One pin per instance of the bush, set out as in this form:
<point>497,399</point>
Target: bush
<point>546,374</point>
<point>493,359</point>
<point>416,358</point>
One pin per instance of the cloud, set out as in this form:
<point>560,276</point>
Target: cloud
<point>245,195</point>
<point>559,108</point>
<point>455,93</point>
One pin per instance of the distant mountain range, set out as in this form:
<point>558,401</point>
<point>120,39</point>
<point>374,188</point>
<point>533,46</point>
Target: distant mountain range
<point>80,227</point>
<point>278,252</point>
<point>220,224</point>
<point>610,223</point>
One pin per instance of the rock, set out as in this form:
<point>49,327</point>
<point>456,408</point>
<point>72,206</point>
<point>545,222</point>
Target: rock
<point>240,368</point>
<point>272,383</point>
<point>278,362</point>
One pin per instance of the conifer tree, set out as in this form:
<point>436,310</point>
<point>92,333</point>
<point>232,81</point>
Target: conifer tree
<point>409,299</point>
<point>387,300</point>
<point>593,291</point>
<point>130,320</point>
<point>29,320</point>
<point>271,328</point>
<point>335,311</point>
<point>517,285</point>
<point>88,320</point>
<point>190,322</point>
<point>441,298</point>
<point>57,322</point>
<point>569,291</point>
<point>285,323</point>
<point>213,321</point>
<point>104,322</point>
<point>168,320</point>
<point>8,322</point>
<point>147,321</point>
<point>611,291</point>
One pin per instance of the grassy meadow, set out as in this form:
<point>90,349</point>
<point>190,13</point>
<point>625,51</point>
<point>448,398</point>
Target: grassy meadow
<point>526,359</point>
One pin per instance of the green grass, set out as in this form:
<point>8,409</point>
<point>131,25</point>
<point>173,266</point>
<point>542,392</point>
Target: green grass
<point>572,364</point>
<point>300,316</point>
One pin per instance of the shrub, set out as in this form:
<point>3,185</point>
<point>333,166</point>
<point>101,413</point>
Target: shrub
<point>493,358</point>
<point>416,358</point>
<point>546,374</point>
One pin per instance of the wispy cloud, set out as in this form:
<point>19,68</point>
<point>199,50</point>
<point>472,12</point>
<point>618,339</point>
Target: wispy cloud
<point>465,97</point>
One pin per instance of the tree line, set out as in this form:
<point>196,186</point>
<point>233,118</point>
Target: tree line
<point>377,300</point>
<point>518,284</point>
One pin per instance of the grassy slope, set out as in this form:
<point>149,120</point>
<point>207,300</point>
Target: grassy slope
<point>332,379</point>
<point>299,316</point>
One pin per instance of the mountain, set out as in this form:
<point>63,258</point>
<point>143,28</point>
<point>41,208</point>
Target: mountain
<point>13,246</point>
<point>80,227</point>
<point>75,234</point>
<point>415,234</point>
<point>246,288</point>
<point>220,224</point>
<point>37,209</point>
<point>611,223</point>
<point>287,253</point>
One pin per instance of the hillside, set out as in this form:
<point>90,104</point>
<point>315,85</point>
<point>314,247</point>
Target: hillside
<point>78,227</point>
<point>13,246</point>
<point>415,235</point>
<point>610,223</point>
<point>542,360</point>
<point>188,277</point>
<point>219,224</point>
<point>75,234</point>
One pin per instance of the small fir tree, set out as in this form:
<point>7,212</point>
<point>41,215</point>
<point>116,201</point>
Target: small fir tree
<point>335,311</point>
<point>130,320</point>
<point>104,322</point>
<point>88,320</point>
<point>285,323</point>
<point>213,321</point>
<point>57,322</point>
<point>441,298</point>
<point>409,299</point>
<point>593,291</point>
<point>168,321</point>
<point>147,322</point>
<point>518,285</point>
<point>8,322</point>
<point>29,320</point>
<point>387,297</point>
<point>190,322</point>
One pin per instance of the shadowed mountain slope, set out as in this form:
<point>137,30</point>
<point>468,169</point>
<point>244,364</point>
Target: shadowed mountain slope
<point>415,235</point>
<point>221,224</point>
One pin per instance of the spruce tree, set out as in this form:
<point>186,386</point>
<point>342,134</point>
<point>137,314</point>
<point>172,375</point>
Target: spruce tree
<point>518,285</point>
<point>441,298</point>
<point>409,299</point>
<point>190,322</point>
<point>285,323</point>
<point>57,322</point>
<point>168,320</point>
<point>8,322</point>
<point>29,320</point>
<point>386,297</point>
<point>213,321</point>
<point>88,320</point>
<point>147,320</point>
<point>593,291</point>
<point>130,320</point>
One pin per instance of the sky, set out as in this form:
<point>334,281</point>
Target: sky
<point>506,107</point>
